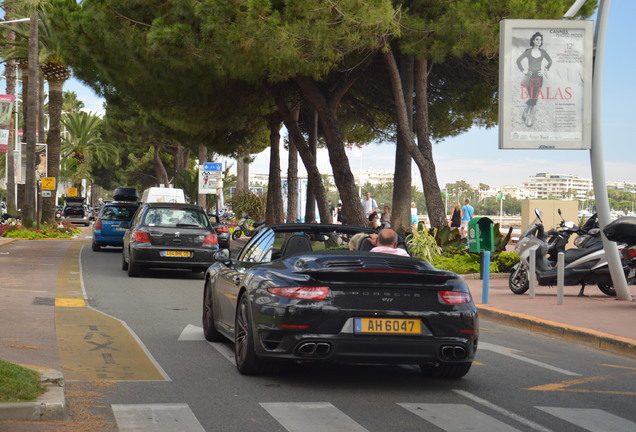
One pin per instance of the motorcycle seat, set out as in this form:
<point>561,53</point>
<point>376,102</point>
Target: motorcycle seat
<point>574,254</point>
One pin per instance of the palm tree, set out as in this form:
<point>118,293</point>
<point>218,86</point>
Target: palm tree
<point>82,145</point>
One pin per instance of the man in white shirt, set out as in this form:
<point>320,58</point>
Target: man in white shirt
<point>369,205</point>
<point>387,240</point>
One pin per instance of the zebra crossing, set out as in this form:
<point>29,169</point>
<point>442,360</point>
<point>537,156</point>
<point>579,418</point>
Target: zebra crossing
<point>326,417</point>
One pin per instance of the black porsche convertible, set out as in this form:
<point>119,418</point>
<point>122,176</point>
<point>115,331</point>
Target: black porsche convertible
<point>297,292</point>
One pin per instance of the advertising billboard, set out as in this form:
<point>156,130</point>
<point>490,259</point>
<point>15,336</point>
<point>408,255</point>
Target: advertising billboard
<point>545,84</point>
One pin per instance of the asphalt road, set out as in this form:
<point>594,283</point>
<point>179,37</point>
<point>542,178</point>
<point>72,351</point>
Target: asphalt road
<point>521,381</point>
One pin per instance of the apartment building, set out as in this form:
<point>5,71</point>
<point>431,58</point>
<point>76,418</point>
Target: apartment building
<point>559,186</point>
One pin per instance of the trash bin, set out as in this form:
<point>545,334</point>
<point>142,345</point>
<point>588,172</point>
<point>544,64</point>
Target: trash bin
<point>481,234</point>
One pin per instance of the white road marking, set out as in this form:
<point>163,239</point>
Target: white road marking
<point>457,417</point>
<point>509,352</point>
<point>502,411</point>
<point>591,419</point>
<point>156,418</point>
<point>312,417</point>
<point>194,333</point>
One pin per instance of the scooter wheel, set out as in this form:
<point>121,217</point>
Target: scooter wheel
<point>236,234</point>
<point>607,289</point>
<point>518,280</point>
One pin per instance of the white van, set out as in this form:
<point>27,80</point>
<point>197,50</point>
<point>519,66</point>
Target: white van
<point>163,194</point>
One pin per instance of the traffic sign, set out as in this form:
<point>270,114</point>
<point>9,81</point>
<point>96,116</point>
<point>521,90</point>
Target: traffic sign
<point>46,194</point>
<point>213,166</point>
<point>71,192</point>
<point>48,183</point>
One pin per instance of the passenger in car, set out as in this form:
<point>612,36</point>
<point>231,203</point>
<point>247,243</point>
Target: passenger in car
<point>387,241</point>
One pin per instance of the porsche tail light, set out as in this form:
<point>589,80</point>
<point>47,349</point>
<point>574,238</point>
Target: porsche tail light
<point>141,236</point>
<point>98,224</point>
<point>629,252</point>
<point>305,293</point>
<point>210,239</point>
<point>454,297</point>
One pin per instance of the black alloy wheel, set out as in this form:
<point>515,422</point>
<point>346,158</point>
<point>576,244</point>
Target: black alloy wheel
<point>209,329</point>
<point>247,362</point>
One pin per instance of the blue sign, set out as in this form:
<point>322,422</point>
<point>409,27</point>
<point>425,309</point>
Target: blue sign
<point>213,166</point>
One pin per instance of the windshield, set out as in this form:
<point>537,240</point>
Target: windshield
<point>116,213</point>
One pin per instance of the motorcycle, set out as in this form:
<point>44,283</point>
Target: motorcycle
<point>585,266</point>
<point>243,228</point>
<point>588,235</point>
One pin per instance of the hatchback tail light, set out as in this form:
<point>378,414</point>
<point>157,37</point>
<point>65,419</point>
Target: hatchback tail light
<point>454,297</point>
<point>98,224</point>
<point>222,229</point>
<point>305,293</point>
<point>210,239</point>
<point>141,236</point>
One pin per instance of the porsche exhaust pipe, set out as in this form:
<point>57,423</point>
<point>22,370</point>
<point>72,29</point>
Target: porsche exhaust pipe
<point>313,349</point>
<point>453,352</point>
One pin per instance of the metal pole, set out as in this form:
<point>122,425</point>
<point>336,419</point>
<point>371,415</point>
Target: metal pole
<point>560,276</point>
<point>532,270</point>
<point>485,277</point>
<point>596,158</point>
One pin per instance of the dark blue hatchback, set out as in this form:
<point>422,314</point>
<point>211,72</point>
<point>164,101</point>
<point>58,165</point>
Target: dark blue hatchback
<point>106,229</point>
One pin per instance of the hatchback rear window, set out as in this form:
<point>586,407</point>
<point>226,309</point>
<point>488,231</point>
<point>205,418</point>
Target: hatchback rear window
<point>116,213</point>
<point>175,217</point>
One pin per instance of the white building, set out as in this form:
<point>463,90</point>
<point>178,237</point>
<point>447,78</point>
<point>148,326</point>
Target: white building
<point>559,186</point>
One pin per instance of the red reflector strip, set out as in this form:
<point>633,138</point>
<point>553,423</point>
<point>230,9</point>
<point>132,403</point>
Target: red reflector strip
<point>468,331</point>
<point>306,293</point>
<point>386,271</point>
<point>454,297</point>
<point>293,326</point>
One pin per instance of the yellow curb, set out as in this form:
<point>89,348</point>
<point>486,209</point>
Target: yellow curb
<point>604,341</point>
<point>69,302</point>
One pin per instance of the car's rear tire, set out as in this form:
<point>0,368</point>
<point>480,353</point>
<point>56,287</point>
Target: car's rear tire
<point>518,280</point>
<point>247,362</point>
<point>133,269</point>
<point>445,370</point>
<point>95,246</point>
<point>209,328</point>
<point>124,264</point>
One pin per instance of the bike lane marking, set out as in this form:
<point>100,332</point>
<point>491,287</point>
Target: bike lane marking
<point>93,345</point>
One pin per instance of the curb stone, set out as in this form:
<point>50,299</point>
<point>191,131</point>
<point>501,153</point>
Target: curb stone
<point>50,405</point>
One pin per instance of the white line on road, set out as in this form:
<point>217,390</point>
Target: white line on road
<point>311,417</point>
<point>156,418</point>
<point>457,417</point>
<point>194,333</point>
<point>592,419</point>
<point>509,352</point>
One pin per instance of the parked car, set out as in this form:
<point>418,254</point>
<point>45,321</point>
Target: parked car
<point>168,235</point>
<point>295,292</point>
<point>222,230</point>
<point>75,211</point>
<point>107,230</point>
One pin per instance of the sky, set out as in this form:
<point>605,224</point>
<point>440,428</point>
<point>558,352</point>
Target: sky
<point>474,156</point>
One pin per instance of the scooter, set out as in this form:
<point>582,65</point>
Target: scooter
<point>588,235</point>
<point>243,228</point>
<point>583,267</point>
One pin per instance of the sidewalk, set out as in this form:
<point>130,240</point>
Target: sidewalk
<point>31,270</point>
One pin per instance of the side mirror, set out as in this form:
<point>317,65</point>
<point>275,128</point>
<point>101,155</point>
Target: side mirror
<point>124,224</point>
<point>222,255</point>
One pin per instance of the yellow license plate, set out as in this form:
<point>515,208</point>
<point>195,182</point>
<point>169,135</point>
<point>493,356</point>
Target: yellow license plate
<point>185,254</point>
<point>388,326</point>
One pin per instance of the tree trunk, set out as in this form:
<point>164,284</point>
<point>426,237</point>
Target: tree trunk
<point>10,73</point>
<point>274,209</point>
<point>292,182</point>
<point>28,215</point>
<point>401,211</point>
<point>308,158</point>
<point>160,169</point>
<point>41,136</point>
<point>202,199</point>
<point>54,142</point>
<point>240,168</point>
<point>345,181</point>
<point>432,192</point>
<point>436,203</point>
<point>310,204</point>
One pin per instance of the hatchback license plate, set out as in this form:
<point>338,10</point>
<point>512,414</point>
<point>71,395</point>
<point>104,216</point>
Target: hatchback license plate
<point>388,326</point>
<point>183,254</point>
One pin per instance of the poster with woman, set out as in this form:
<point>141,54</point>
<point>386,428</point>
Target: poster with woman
<point>545,84</point>
<point>40,161</point>
<point>6,108</point>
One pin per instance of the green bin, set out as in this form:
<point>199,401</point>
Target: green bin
<point>481,234</point>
